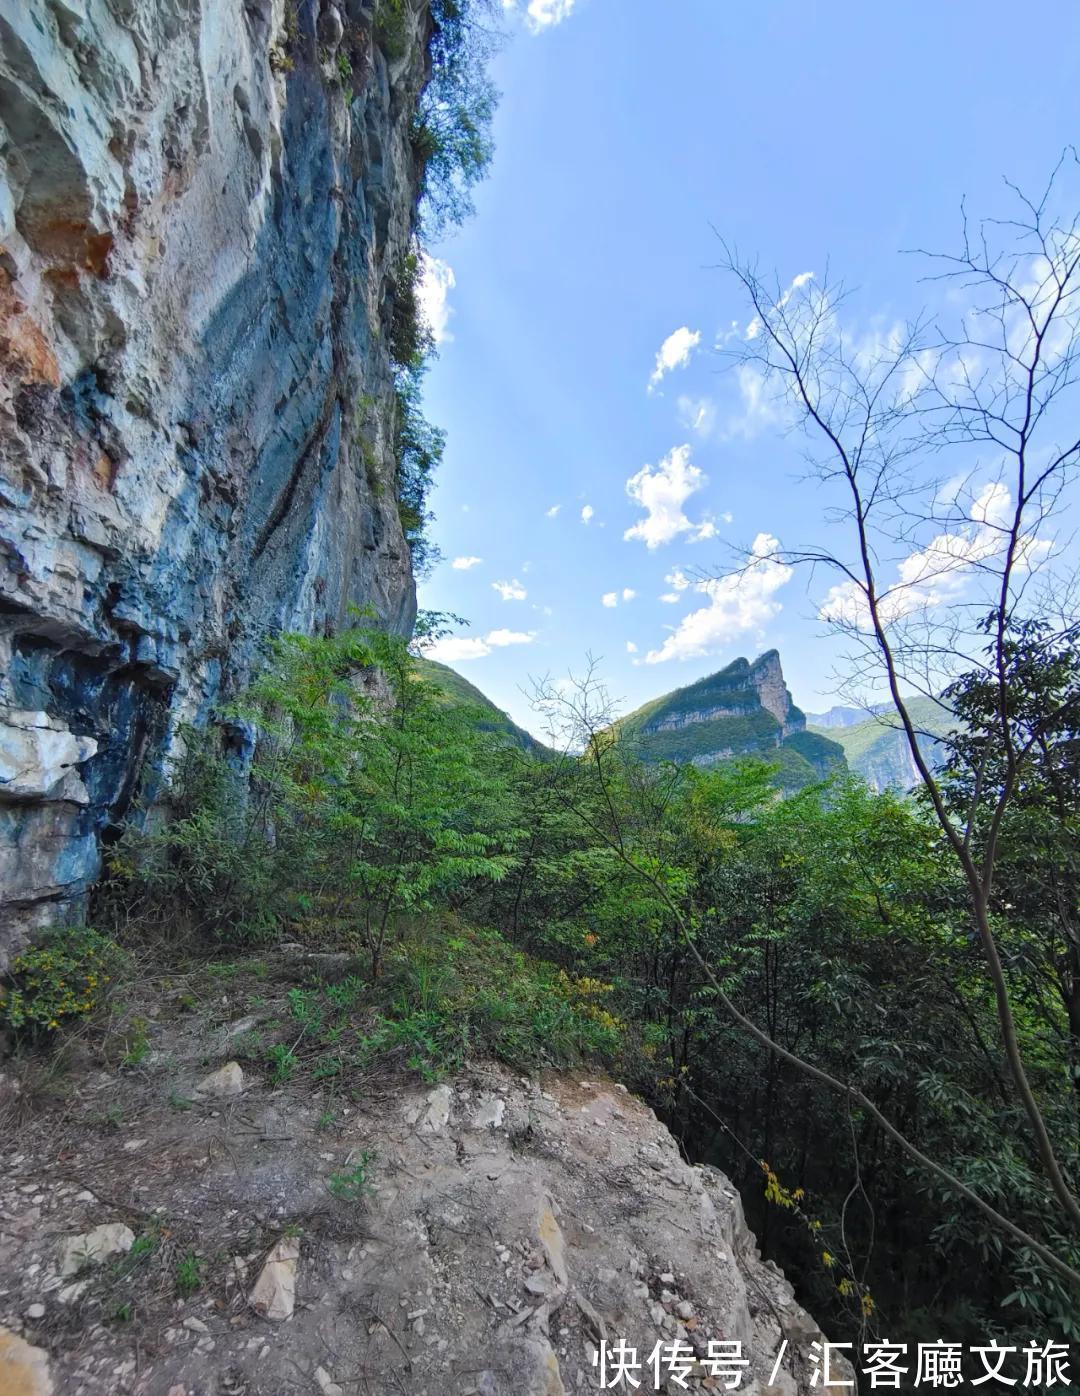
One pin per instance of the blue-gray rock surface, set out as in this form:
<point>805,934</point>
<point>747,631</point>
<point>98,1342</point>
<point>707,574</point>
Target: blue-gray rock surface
<point>201,214</point>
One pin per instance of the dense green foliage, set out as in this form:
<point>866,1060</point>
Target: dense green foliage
<point>452,131</point>
<point>452,147</point>
<point>458,692</point>
<point>548,907</point>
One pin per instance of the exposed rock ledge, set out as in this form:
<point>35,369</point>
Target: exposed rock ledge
<point>511,1226</point>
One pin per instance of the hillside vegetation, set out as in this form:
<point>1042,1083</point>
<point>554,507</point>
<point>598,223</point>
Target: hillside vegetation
<point>472,900</point>
<point>456,690</point>
<point>743,710</point>
<point>877,749</point>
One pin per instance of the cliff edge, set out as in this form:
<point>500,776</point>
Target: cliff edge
<point>479,1237</point>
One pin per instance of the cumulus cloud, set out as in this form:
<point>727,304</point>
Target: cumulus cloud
<point>609,599</point>
<point>454,649</point>
<point>553,512</point>
<point>499,639</point>
<point>628,593</point>
<point>937,573</point>
<point>631,648</point>
<point>433,296</point>
<point>662,491</point>
<point>542,14</point>
<point>674,353</point>
<point>587,512</point>
<point>463,564</point>
<point>737,603</point>
<point>510,591</point>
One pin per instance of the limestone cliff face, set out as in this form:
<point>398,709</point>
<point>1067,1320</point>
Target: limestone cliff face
<point>201,214</point>
<point>743,710</point>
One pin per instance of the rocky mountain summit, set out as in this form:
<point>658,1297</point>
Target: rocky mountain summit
<point>743,710</point>
<point>204,212</point>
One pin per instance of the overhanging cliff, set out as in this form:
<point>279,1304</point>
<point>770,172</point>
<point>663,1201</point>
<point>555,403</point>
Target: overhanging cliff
<point>203,207</point>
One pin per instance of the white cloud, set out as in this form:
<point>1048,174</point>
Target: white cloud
<point>674,353</point>
<point>455,649</point>
<point>671,598</point>
<point>753,329</point>
<point>628,593</point>
<point>728,516</point>
<point>937,573</point>
<point>499,639</point>
<point>631,648</point>
<point>697,414</point>
<point>677,579</point>
<point>761,406</point>
<point>510,591</point>
<point>462,564</point>
<point>542,14</point>
<point>662,491</point>
<point>452,649</point>
<point>587,512</point>
<point>436,283</point>
<point>739,602</point>
<point>553,511</point>
<point>609,598</point>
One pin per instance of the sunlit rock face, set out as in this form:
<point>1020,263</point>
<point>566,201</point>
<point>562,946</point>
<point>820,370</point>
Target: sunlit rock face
<point>743,710</point>
<point>201,214</point>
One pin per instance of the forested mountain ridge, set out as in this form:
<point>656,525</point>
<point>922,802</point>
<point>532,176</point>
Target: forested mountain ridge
<point>457,690</point>
<point>745,709</point>
<point>876,746</point>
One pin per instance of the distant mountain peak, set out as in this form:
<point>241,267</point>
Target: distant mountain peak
<point>744,709</point>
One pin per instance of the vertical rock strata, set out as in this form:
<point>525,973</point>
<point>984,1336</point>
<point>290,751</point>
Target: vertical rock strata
<point>202,207</point>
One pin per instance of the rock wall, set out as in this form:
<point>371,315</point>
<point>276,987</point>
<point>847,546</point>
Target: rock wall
<point>202,207</point>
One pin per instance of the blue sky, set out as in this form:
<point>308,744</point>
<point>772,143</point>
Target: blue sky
<point>585,480</point>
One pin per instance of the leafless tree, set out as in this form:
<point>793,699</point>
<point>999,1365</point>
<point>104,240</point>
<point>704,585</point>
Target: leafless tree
<point>946,460</point>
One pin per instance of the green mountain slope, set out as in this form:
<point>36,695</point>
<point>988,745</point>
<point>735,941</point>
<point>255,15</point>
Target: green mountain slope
<point>877,748</point>
<point>743,710</point>
<point>458,690</point>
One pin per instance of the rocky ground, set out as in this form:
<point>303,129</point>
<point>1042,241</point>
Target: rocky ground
<point>179,1224</point>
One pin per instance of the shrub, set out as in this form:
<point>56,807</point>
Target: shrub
<point>211,857</point>
<point>410,337</point>
<point>61,978</point>
<point>418,447</point>
<point>449,997</point>
<point>392,28</point>
<point>353,1185</point>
